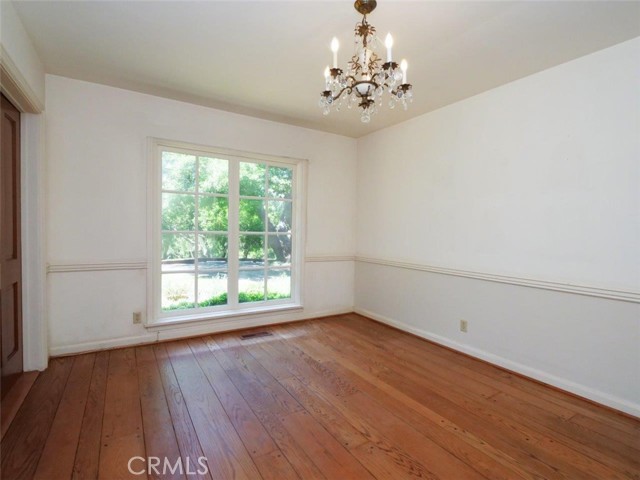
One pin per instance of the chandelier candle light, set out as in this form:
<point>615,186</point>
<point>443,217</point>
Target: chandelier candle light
<point>367,77</point>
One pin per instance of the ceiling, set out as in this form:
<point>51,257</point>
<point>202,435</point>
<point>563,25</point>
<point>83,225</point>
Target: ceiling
<point>266,58</point>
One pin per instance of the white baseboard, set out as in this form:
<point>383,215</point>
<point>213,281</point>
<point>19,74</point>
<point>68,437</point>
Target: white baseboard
<point>97,345</point>
<point>191,330</point>
<point>218,326</point>
<point>581,390</point>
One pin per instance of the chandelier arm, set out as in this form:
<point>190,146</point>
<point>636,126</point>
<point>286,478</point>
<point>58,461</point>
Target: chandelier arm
<point>385,84</point>
<point>352,79</point>
<point>373,77</point>
<point>341,92</point>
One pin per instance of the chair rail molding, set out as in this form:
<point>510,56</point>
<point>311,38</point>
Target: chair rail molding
<point>592,291</point>
<point>329,258</point>
<point>143,264</point>
<point>95,267</point>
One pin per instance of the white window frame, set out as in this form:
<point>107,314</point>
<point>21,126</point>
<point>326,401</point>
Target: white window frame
<point>155,314</point>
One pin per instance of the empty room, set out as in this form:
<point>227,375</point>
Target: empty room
<point>320,239</point>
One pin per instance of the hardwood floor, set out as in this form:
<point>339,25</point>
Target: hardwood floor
<point>14,398</point>
<point>336,398</point>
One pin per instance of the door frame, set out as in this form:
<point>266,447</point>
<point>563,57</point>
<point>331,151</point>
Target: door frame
<point>33,202</point>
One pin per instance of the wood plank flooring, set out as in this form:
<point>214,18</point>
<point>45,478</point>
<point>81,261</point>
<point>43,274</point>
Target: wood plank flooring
<point>335,398</point>
<point>14,398</point>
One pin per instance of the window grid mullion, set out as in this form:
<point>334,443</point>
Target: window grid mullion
<point>293,264</point>
<point>204,194</point>
<point>266,197</point>
<point>201,232</point>
<point>233,233</point>
<point>266,232</point>
<point>196,228</point>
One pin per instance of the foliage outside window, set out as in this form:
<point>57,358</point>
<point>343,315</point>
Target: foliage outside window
<point>227,233</point>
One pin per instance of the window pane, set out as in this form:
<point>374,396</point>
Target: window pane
<point>214,175</point>
<point>280,182</point>
<point>212,252</point>
<point>279,216</point>
<point>177,251</point>
<point>212,289</point>
<point>279,249</point>
<point>178,172</point>
<point>196,197</point>
<point>178,211</point>
<point>278,284</point>
<point>251,251</point>
<point>252,179</point>
<point>178,291</point>
<point>213,214</point>
<point>251,215</point>
<point>251,286</point>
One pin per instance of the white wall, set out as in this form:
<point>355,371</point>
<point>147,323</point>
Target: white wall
<point>533,183</point>
<point>537,182</point>
<point>97,157</point>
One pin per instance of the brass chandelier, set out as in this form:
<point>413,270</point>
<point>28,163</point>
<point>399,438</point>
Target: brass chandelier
<point>367,77</point>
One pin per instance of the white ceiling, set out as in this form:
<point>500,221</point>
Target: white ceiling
<point>266,58</point>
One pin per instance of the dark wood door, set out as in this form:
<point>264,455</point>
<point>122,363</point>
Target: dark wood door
<point>10,251</point>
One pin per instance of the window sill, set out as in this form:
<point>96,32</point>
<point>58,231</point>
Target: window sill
<point>172,322</point>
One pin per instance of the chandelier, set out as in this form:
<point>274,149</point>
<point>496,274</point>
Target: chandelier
<point>367,78</point>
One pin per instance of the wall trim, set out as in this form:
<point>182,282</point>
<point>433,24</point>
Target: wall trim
<point>597,396</point>
<point>591,291</point>
<point>330,258</point>
<point>190,330</point>
<point>106,344</point>
<point>15,86</point>
<point>34,292</point>
<point>143,265</point>
<point>17,89</point>
<point>95,267</point>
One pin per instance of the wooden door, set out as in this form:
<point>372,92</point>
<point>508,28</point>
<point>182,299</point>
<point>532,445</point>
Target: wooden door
<point>10,250</point>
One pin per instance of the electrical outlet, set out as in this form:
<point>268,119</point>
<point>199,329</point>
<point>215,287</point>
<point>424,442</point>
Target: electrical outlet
<point>137,317</point>
<point>463,326</point>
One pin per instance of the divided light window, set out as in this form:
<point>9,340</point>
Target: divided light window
<point>227,232</point>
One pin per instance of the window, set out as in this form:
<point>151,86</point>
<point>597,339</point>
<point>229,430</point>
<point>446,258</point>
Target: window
<point>226,232</point>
